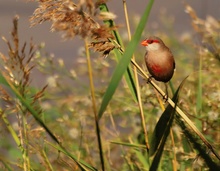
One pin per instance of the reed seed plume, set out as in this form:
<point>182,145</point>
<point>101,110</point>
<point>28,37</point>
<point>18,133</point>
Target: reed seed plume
<point>17,67</point>
<point>208,29</point>
<point>73,19</point>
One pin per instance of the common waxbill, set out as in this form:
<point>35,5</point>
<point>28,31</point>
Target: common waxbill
<point>159,59</point>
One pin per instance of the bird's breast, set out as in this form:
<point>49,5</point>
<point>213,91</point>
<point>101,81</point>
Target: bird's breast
<point>160,65</point>
<point>157,68</point>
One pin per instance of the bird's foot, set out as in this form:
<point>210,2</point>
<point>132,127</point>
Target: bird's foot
<point>165,98</point>
<point>149,79</point>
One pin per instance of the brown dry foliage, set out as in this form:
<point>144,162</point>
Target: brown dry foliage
<point>75,19</point>
<point>17,69</point>
<point>208,29</point>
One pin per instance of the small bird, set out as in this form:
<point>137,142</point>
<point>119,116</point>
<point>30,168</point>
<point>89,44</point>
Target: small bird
<point>159,59</point>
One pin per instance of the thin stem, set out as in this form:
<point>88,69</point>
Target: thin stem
<point>174,151</point>
<point>23,137</point>
<point>11,130</point>
<point>136,80</point>
<point>47,160</point>
<point>92,90</point>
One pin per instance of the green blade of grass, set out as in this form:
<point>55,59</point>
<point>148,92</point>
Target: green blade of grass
<point>6,121</point>
<point>82,164</point>
<point>142,158</point>
<point>128,74</point>
<point>199,90</point>
<point>162,130</point>
<point>124,61</point>
<point>137,148</point>
<point>27,104</point>
<point>129,144</point>
<point>160,134</point>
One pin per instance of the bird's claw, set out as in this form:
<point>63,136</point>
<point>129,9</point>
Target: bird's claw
<point>165,97</point>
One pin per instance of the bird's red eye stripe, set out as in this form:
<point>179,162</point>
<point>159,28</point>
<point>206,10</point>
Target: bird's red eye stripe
<point>146,42</point>
<point>150,41</point>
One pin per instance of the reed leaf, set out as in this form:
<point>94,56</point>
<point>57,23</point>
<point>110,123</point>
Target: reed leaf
<point>162,130</point>
<point>124,61</point>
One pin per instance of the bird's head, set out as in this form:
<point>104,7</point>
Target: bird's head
<point>153,43</point>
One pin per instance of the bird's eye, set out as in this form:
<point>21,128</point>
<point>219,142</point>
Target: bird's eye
<point>150,41</point>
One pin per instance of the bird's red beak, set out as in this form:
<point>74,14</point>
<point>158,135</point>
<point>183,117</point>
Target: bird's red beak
<point>144,43</point>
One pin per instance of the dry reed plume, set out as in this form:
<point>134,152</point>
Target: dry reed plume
<point>17,68</point>
<point>76,19</point>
